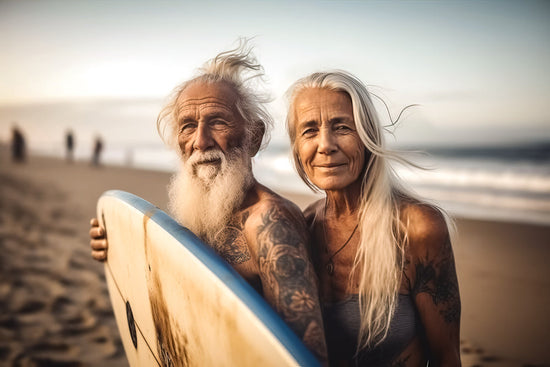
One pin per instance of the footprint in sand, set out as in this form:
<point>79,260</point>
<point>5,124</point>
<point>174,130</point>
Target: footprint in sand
<point>104,343</point>
<point>82,323</point>
<point>24,361</point>
<point>5,352</point>
<point>31,306</point>
<point>473,356</point>
<point>79,263</point>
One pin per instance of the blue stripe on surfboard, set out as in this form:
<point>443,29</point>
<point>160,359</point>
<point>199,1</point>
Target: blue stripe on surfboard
<point>226,274</point>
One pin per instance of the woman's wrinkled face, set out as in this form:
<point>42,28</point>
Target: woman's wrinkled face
<point>327,142</point>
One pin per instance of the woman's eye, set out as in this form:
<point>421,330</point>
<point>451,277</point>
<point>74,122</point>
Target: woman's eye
<point>309,131</point>
<point>343,128</point>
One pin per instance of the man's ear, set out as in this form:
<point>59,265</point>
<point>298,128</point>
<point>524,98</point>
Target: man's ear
<point>256,140</point>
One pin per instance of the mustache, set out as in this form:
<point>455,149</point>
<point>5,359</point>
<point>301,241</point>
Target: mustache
<point>205,157</point>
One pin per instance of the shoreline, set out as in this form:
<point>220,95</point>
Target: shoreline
<point>57,307</point>
<point>304,196</point>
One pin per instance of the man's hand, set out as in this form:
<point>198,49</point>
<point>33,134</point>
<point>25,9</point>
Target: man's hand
<point>98,242</point>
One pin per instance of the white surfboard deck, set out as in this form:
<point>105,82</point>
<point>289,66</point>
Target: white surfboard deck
<point>177,303</point>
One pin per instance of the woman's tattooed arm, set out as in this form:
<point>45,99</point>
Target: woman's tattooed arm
<point>288,277</point>
<point>431,275</point>
<point>435,275</point>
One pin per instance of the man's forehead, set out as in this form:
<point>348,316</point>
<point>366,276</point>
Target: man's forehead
<point>216,94</point>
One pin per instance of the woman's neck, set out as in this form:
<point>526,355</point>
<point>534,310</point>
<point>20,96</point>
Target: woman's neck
<point>343,202</point>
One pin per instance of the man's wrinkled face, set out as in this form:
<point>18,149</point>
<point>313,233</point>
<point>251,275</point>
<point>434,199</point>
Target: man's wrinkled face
<point>216,169</point>
<point>210,129</point>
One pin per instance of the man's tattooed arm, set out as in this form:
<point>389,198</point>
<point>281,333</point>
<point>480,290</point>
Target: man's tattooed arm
<point>288,276</point>
<point>431,274</point>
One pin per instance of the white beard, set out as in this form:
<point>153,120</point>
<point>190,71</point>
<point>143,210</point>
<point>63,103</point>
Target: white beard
<point>204,197</point>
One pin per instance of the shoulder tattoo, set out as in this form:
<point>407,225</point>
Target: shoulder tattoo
<point>230,243</point>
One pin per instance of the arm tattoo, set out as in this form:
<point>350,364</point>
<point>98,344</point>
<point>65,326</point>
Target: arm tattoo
<point>288,274</point>
<point>230,243</point>
<point>401,362</point>
<point>436,276</point>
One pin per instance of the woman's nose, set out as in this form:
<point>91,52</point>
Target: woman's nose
<point>327,142</point>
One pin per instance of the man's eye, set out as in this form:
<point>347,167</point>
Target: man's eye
<point>187,127</point>
<point>218,122</point>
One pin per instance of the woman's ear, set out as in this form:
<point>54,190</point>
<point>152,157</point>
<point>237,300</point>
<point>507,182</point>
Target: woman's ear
<point>256,141</point>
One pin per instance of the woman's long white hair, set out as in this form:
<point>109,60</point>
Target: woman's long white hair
<point>379,260</point>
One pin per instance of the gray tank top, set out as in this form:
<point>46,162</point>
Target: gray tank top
<point>342,321</point>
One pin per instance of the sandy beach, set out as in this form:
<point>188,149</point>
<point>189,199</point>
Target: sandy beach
<point>55,309</point>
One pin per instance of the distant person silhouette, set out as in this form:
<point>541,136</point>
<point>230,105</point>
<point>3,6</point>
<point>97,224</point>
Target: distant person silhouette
<point>69,144</point>
<point>18,145</point>
<point>98,147</point>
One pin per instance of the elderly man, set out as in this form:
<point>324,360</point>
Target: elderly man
<point>216,123</point>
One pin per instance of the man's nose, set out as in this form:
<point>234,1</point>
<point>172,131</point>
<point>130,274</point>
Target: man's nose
<point>203,138</point>
<point>327,142</point>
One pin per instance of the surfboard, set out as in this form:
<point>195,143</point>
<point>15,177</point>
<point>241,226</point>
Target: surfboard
<point>177,303</point>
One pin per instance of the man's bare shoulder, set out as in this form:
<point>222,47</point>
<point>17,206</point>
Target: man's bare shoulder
<point>268,203</point>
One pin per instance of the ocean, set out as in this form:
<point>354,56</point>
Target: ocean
<point>508,183</point>
<point>499,182</point>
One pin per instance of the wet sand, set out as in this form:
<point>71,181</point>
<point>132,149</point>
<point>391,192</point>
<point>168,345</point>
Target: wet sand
<point>55,309</point>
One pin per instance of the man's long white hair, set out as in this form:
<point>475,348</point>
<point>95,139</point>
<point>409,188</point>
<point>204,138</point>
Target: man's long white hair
<point>379,261</point>
<point>241,71</point>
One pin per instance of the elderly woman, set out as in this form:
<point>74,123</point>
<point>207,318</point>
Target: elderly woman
<point>383,257</point>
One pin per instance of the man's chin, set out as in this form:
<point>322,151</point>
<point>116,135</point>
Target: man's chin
<point>204,197</point>
<point>207,172</point>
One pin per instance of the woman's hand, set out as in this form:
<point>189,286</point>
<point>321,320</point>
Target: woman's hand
<point>98,241</point>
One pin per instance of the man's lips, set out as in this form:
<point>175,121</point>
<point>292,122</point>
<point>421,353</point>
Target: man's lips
<point>209,161</point>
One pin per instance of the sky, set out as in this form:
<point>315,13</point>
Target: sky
<point>479,69</point>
